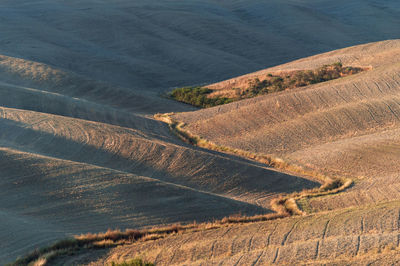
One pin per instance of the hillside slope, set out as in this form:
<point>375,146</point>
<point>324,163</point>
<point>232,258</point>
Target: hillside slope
<point>80,81</point>
<point>348,127</point>
<point>75,160</point>
<point>345,127</point>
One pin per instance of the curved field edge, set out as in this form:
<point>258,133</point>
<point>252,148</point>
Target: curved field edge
<point>284,204</point>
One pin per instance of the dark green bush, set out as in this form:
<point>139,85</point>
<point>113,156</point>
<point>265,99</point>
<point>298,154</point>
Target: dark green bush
<point>197,96</point>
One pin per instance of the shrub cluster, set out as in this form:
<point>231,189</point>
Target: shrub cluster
<point>274,83</point>
<point>198,96</point>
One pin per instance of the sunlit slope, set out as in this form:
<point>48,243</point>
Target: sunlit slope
<point>373,159</point>
<point>346,127</point>
<point>349,236</point>
<point>154,45</point>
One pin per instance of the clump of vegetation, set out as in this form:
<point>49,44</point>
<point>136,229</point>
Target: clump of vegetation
<point>198,96</point>
<point>275,83</point>
<point>201,97</point>
<point>134,262</point>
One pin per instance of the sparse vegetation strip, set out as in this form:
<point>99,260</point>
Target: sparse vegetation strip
<point>90,241</point>
<point>202,96</point>
<point>113,238</point>
<point>286,204</point>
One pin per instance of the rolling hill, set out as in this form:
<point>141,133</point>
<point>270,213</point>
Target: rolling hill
<point>336,128</point>
<point>345,127</point>
<point>81,151</point>
<point>66,172</point>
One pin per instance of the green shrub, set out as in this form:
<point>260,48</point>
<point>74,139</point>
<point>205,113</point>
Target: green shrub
<point>198,96</point>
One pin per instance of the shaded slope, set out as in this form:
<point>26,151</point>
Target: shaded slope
<point>73,121</point>
<point>26,74</point>
<point>44,198</point>
<point>130,43</point>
